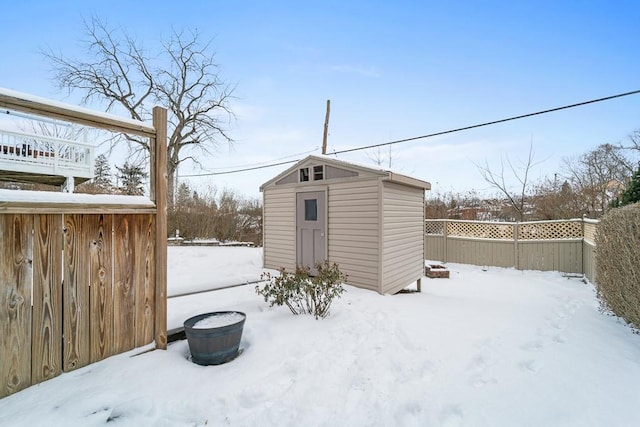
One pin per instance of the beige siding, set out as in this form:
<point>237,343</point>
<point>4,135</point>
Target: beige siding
<point>550,256</point>
<point>353,231</point>
<point>279,228</point>
<point>480,252</point>
<point>402,236</point>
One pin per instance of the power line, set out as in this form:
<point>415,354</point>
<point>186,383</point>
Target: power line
<point>251,167</point>
<point>431,135</point>
<point>537,113</point>
<point>240,170</point>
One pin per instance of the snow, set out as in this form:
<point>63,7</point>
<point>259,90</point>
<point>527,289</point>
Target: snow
<point>484,348</point>
<point>73,108</point>
<point>28,196</point>
<point>218,320</point>
<point>196,268</point>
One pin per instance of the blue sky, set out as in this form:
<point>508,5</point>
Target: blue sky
<point>392,70</point>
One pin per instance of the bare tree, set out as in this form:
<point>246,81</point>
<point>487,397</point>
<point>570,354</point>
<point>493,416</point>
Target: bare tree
<point>182,76</point>
<point>379,158</point>
<point>633,141</point>
<point>599,176</point>
<point>498,180</point>
<point>556,199</point>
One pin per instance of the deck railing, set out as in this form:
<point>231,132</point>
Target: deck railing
<point>45,155</point>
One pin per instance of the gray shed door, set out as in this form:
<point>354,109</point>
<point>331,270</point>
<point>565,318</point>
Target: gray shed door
<point>311,225</point>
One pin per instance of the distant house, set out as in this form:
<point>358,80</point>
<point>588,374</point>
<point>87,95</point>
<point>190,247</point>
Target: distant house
<point>368,220</point>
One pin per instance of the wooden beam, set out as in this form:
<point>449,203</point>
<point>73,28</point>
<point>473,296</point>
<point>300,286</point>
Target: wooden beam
<point>159,196</point>
<point>17,101</point>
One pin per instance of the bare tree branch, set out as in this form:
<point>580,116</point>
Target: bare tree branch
<point>599,176</point>
<point>182,76</point>
<point>517,201</point>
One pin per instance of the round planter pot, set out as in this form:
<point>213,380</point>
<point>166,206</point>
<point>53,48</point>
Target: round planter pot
<point>214,337</point>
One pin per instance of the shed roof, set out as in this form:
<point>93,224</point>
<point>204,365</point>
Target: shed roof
<point>384,174</point>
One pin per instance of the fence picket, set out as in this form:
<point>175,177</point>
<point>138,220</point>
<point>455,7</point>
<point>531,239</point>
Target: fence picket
<point>15,302</point>
<point>47,298</point>
<point>99,232</point>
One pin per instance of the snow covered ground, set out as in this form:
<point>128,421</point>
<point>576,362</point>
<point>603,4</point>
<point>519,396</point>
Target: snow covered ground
<point>196,268</point>
<point>483,348</point>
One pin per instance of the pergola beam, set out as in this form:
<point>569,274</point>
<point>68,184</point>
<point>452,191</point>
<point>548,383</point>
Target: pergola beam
<point>17,101</point>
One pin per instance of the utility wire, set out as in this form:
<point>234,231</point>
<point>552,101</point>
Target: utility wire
<point>431,135</point>
<point>240,170</point>
<point>537,113</point>
<point>252,167</point>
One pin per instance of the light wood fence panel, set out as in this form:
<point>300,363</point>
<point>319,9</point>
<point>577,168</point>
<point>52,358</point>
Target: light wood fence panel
<point>97,274</point>
<point>123,290</point>
<point>47,298</point>
<point>15,302</point>
<point>101,278</point>
<point>76,351</point>
<point>144,253</point>
<point>92,277</point>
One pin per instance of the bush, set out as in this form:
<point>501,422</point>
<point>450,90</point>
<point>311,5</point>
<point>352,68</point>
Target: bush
<point>302,293</point>
<point>618,263</point>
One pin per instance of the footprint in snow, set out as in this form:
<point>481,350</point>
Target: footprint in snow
<point>451,416</point>
<point>532,345</point>
<point>410,414</point>
<point>478,366</point>
<point>530,365</point>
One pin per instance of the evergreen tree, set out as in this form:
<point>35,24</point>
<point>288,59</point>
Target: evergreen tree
<point>102,175</point>
<point>131,179</point>
<point>631,194</point>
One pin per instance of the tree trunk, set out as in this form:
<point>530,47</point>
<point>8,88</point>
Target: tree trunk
<point>171,172</point>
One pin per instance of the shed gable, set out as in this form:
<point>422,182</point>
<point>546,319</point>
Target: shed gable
<point>315,172</point>
<point>292,178</point>
<point>334,172</point>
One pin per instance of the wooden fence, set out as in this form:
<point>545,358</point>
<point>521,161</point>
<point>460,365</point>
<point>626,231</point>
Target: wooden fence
<point>81,281</point>
<point>567,246</point>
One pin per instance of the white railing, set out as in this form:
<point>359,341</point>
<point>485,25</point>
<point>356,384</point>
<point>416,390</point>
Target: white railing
<point>45,155</point>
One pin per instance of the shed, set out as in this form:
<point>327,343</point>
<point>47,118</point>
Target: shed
<point>368,220</point>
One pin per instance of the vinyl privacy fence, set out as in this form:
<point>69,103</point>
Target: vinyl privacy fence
<point>567,245</point>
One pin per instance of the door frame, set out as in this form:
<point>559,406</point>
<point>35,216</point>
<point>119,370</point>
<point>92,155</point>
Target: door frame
<point>320,189</point>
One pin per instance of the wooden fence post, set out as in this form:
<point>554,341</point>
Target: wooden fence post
<point>159,197</point>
